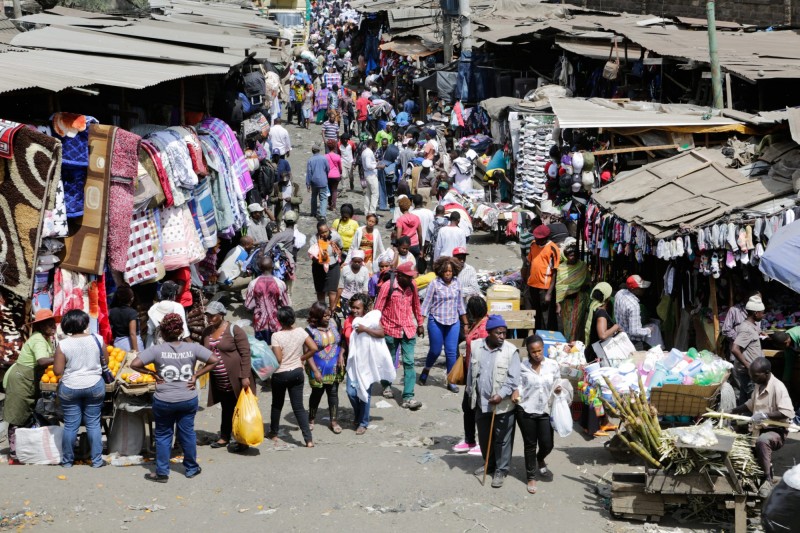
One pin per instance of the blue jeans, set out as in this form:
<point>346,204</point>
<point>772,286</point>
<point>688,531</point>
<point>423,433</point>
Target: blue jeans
<point>319,196</point>
<point>82,404</point>
<point>168,417</point>
<point>382,204</point>
<point>360,408</point>
<point>264,335</point>
<point>125,343</point>
<point>440,335</point>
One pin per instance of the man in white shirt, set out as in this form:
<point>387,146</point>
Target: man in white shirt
<point>370,166</point>
<point>450,237</point>
<point>279,139</point>
<point>468,277</point>
<point>425,217</point>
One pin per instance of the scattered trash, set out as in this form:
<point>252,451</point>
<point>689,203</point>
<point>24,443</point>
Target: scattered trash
<point>62,477</point>
<point>152,508</point>
<point>266,512</point>
<point>243,510</point>
<point>426,458</point>
<point>380,509</point>
<point>124,460</point>
<point>383,404</point>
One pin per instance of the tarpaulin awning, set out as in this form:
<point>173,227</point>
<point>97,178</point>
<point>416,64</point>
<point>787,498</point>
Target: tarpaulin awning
<point>441,81</point>
<point>782,256</point>
<point>684,192</point>
<point>413,49</point>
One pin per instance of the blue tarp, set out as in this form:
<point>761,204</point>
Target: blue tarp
<point>781,261</point>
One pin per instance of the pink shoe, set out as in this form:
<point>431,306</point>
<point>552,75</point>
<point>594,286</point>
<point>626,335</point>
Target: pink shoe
<point>462,447</point>
<point>475,450</point>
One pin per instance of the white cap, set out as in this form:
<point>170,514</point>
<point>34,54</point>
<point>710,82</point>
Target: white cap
<point>427,163</point>
<point>255,208</point>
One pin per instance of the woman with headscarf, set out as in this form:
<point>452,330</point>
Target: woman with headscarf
<point>599,327</point>
<point>21,381</point>
<point>572,276</point>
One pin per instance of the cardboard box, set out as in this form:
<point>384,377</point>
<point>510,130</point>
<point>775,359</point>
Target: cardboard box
<point>501,298</point>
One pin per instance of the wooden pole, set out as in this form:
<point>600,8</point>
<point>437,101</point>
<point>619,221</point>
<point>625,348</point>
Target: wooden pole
<point>714,308</point>
<point>489,446</point>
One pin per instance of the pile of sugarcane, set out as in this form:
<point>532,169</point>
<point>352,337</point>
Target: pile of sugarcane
<point>642,432</point>
<point>686,460</point>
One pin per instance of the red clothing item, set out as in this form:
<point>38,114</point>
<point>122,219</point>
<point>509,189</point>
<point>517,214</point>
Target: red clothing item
<point>347,329</point>
<point>183,275</point>
<point>478,332</point>
<point>400,312</point>
<point>362,109</point>
<point>407,226</point>
<point>265,295</point>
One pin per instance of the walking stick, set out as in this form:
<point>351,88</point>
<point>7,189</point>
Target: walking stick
<point>489,447</point>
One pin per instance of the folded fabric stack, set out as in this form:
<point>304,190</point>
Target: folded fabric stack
<point>535,144</point>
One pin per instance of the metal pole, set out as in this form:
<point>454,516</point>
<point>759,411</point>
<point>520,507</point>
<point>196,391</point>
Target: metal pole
<point>466,25</point>
<point>716,74</point>
<point>17,9</point>
<point>447,34</point>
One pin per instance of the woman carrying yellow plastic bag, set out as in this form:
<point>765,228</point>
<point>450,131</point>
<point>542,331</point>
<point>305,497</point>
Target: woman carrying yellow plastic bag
<point>248,426</point>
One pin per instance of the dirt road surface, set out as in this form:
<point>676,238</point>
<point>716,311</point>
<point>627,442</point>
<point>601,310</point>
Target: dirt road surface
<point>400,475</point>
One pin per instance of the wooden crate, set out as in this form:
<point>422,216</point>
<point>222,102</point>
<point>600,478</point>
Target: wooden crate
<point>630,500</point>
<point>684,400</point>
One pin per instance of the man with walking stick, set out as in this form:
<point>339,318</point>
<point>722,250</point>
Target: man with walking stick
<point>492,377</point>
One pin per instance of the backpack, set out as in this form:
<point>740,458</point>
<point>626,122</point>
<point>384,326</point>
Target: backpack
<point>255,87</point>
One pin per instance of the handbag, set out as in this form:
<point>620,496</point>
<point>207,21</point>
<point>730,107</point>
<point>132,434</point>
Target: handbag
<point>108,377</point>
<point>611,69</point>
<point>457,376</point>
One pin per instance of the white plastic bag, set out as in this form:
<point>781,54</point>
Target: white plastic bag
<point>561,415</point>
<point>39,446</point>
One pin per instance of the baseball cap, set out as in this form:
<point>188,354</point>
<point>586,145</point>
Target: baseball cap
<point>636,282</point>
<point>290,216</point>
<point>216,308</point>
<point>255,208</point>
<point>460,250</point>
<point>407,269</point>
<point>541,232</point>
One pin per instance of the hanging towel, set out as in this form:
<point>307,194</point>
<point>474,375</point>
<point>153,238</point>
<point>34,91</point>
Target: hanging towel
<point>55,218</point>
<point>120,211</point>
<point>179,238</point>
<point>125,156</point>
<point>141,263</point>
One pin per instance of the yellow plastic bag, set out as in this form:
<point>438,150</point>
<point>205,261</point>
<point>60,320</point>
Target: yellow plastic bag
<point>248,426</point>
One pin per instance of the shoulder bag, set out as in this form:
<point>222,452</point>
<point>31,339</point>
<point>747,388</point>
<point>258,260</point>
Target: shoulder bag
<point>611,69</point>
<point>108,377</point>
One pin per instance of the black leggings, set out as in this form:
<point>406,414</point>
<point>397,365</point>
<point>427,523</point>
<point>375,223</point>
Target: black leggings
<point>291,381</point>
<point>332,390</point>
<point>469,420</point>
<point>227,399</point>
<point>536,430</point>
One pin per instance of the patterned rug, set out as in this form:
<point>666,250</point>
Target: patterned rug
<point>86,249</point>
<point>27,183</point>
<point>7,131</point>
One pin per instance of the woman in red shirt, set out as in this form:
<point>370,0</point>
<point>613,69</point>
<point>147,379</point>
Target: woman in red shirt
<point>409,225</point>
<point>477,313</point>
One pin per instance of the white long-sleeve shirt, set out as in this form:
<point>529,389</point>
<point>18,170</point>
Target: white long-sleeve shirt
<point>449,238</point>
<point>369,163</point>
<point>279,138</point>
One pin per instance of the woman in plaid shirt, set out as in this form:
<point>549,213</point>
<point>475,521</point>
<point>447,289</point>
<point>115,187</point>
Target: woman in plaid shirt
<point>443,306</point>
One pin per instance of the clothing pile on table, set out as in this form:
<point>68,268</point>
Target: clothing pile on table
<point>487,278</point>
<point>530,185</point>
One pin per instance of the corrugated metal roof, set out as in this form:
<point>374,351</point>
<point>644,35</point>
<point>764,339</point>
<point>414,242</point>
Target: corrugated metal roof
<point>684,192</point>
<point>411,17</point>
<point>70,12</point>
<point>193,34</point>
<point>596,50</point>
<point>58,20</point>
<point>57,71</point>
<point>601,113</point>
<point>222,15</point>
<point>7,29</point>
<point>79,40</point>
<point>753,56</point>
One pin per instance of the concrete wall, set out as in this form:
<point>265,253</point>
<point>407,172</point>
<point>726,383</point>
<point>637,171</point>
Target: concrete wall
<point>758,12</point>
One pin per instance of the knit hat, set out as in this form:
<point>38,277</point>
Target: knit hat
<point>494,322</point>
<point>755,304</point>
<point>357,254</point>
<point>290,216</point>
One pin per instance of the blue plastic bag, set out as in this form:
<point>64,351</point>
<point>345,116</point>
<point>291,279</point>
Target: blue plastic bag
<point>262,360</point>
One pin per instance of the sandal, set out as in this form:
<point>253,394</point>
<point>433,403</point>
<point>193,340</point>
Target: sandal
<point>219,444</point>
<point>335,427</point>
<point>157,478</point>
<point>532,486</point>
<point>361,430</point>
